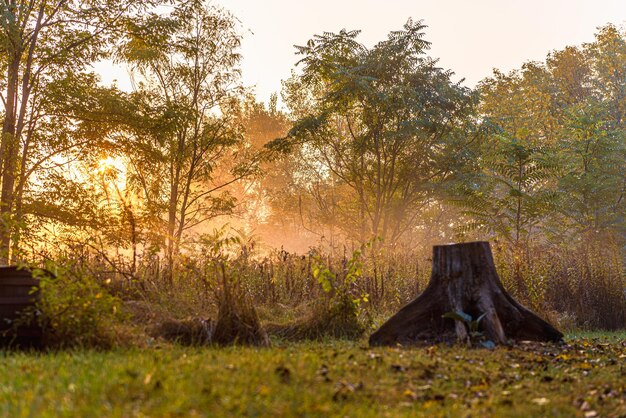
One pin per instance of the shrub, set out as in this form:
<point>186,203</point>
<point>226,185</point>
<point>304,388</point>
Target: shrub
<point>75,310</point>
<point>237,319</point>
<point>340,311</point>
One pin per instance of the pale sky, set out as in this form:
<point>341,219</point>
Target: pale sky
<point>471,37</point>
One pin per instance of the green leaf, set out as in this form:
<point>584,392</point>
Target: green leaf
<point>458,316</point>
<point>480,318</point>
<point>490,345</point>
<point>475,323</point>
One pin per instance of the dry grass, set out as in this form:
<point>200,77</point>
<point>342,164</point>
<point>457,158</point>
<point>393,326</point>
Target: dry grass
<point>573,289</point>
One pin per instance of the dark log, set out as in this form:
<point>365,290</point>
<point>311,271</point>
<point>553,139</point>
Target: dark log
<point>18,294</point>
<point>464,279</point>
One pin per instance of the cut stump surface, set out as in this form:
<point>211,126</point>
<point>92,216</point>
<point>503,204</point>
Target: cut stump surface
<point>464,279</point>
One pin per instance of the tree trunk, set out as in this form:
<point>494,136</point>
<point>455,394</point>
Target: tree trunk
<point>464,279</point>
<point>9,155</point>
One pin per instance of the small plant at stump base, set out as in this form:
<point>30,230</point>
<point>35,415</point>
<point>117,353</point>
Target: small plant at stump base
<point>474,334</point>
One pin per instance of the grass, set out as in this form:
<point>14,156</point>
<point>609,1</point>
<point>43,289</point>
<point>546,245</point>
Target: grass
<point>585,377</point>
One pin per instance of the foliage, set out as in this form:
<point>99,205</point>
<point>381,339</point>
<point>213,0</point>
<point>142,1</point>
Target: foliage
<point>76,311</point>
<point>472,326</point>
<point>512,194</point>
<point>42,42</point>
<point>187,66</point>
<point>237,321</point>
<point>552,162</point>
<point>380,129</point>
<point>340,313</point>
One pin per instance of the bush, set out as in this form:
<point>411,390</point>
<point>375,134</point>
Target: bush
<point>74,310</point>
<point>340,311</point>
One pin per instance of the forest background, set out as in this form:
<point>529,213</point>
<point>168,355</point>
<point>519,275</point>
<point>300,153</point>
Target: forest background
<point>186,186</point>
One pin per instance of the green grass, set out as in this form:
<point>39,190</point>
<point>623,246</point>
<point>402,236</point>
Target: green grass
<point>585,377</point>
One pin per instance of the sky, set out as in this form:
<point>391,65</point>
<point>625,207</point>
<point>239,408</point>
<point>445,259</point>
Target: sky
<point>470,37</point>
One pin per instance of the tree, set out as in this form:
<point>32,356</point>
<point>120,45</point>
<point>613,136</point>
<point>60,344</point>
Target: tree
<point>383,123</point>
<point>551,165</point>
<point>595,141</point>
<point>187,66</point>
<point>70,189</point>
<point>39,42</point>
<point>260,195</point>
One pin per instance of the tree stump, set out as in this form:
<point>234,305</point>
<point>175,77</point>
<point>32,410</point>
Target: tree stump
<point>464,279</point>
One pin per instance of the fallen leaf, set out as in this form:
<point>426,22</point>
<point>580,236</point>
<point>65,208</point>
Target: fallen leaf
<point>283,373</point>
<point>410,394</point>
<point>398,368</point>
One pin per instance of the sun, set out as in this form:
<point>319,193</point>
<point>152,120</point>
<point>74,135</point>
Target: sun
<point>113,168</point>
<point>110,163</point>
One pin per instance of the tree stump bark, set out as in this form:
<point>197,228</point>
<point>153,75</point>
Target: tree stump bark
<point>464,279</point>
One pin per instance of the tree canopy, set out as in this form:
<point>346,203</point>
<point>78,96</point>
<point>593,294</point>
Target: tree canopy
<point>385,122</point>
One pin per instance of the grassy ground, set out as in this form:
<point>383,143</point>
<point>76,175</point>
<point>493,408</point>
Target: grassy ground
<point>585,377</point>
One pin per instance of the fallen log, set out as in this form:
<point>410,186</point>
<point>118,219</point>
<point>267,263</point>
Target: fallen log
<point>19,293</point>
<point>463,280</point>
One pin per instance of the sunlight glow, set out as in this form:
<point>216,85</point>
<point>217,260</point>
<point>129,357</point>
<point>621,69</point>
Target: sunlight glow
<point>111,166</point>
<point>112,171</point>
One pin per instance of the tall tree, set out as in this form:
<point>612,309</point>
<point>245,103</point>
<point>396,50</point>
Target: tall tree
<point>553,164</point>
<point>40,41</point>
<point>385,123</point>
<point>593,145</point>
<point>517,177</point>
<point>186,65</point>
